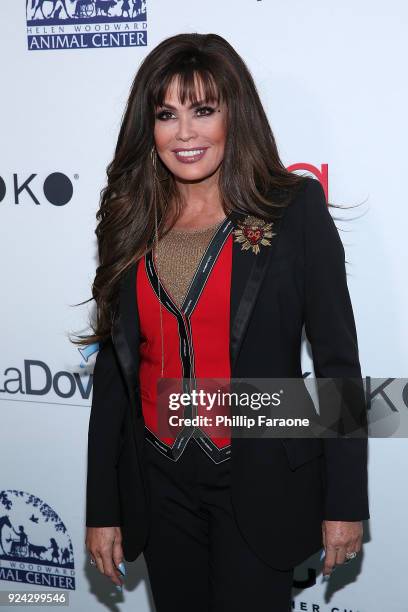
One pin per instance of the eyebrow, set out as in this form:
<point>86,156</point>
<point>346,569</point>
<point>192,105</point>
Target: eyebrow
<point>194,105</point>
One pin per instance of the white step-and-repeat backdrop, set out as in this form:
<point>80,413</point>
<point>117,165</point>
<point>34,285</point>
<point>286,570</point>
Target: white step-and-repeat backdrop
<point>332,79</point>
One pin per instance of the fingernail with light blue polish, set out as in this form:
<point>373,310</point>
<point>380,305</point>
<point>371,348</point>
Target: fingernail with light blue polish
<point>118,587</point>
<point>121,568</point>
<point>323,554</point>
<point>326,577</point>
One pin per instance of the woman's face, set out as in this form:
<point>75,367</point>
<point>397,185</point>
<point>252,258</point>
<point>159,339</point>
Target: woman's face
<point>190,141</point>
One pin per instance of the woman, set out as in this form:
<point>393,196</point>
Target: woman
<point>212,258</point>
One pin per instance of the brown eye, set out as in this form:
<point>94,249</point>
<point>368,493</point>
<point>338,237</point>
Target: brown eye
<point>208,110</point>
<point>162,115</point>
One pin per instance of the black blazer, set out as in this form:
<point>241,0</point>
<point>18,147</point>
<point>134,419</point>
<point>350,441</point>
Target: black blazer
<point>281,490</point>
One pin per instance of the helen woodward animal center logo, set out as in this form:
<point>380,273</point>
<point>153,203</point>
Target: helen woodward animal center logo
<point>35,547</point>
<point>85,24</point>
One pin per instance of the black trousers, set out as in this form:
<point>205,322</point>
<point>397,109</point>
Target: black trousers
<point>196,557</point>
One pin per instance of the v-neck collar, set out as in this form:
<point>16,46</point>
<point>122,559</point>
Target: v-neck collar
<point>201,273</point>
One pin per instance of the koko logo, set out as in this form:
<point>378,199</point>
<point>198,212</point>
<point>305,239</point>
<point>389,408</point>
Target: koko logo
<point>85,24</point>
<point>35,547</point>
<point>56,188</point>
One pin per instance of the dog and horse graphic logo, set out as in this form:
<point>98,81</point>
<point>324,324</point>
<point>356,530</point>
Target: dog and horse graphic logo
<point>35,547</point>
<point>66,9</point>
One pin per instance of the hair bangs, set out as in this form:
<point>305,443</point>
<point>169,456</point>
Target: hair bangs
<point>194,84</point>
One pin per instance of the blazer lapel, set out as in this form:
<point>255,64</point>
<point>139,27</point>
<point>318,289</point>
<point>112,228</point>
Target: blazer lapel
<point>248,271</point>
<point>126,330</point>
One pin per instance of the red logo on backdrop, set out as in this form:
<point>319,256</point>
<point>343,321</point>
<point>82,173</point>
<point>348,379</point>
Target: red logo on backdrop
<point>322,173</point>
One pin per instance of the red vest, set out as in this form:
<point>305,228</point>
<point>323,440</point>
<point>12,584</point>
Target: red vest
<point>196,342</point>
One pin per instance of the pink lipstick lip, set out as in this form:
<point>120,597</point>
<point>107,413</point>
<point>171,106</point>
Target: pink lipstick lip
<point>192,149</point>
<point>190,159</point>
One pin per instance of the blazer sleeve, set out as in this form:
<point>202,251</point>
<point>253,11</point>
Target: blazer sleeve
<point>109,400</point>
<point>331,331</point>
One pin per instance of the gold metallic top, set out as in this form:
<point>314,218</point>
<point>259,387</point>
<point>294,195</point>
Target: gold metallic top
<point>178,256</point>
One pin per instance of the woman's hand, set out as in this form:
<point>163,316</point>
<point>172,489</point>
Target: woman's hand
<point>104,544</point>
<point>339,538</point>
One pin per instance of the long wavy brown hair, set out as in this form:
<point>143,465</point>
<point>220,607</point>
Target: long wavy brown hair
<point>252,177</point>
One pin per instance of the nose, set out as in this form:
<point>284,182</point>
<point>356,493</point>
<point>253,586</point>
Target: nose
<point>185,129</point>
